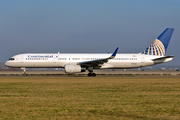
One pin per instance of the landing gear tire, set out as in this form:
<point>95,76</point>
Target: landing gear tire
<point>91,74</point>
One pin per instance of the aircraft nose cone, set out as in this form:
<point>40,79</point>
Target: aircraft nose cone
<point>6,64</point>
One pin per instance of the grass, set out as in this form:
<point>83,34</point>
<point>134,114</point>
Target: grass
<point>83,98</point>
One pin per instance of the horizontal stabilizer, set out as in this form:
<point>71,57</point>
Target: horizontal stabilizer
<point>161,58</point>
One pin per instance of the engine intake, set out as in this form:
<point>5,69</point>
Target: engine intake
<point>74,69</point>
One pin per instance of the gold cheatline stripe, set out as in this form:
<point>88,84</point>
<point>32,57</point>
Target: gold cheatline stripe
<point>154,46</point>
<point>148,49</point>
<point>161,50</point>
<point>157,49</point>
<point>161,45</point>
<point>144,51</point>
<point>151,49</point>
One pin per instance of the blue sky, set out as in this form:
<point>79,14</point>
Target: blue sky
<point>86,26</point>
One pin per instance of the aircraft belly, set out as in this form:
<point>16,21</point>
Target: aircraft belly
<point>147,64</point>
<point>126,64</point>
<point>36,64</point>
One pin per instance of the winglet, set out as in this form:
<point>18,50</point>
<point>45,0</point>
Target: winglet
<point>114,54</point>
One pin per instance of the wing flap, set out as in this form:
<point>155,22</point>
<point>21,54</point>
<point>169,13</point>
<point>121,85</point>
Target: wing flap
<point>93,63</point>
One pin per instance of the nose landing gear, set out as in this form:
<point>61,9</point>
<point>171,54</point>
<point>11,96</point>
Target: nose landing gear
<point>24,71</point>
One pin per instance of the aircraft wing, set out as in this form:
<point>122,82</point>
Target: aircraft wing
<point>99,62</point>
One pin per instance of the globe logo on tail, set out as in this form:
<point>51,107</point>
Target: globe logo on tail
<point>156,48</point>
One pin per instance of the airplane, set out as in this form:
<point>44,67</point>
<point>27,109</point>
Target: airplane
<point>76,63</point>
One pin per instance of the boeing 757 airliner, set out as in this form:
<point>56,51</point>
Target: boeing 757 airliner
<point>75,63</point>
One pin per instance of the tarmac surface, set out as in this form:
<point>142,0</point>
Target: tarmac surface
<point>98,72</point>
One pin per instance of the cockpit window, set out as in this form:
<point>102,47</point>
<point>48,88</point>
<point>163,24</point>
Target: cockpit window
<point>11,58</point>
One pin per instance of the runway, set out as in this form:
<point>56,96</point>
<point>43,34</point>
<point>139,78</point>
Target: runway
<point>98,72</point>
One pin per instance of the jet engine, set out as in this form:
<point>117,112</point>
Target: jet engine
<point>73,68</point>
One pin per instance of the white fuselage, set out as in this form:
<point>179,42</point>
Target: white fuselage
<point>121,61</point>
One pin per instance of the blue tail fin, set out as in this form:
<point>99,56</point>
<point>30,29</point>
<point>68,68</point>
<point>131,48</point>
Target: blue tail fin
<point>159,46</point>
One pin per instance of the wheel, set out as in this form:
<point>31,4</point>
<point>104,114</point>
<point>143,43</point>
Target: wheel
<point>94,74</point>
<point>91,74</point>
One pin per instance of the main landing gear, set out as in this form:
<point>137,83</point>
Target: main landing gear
<point>91,74</point>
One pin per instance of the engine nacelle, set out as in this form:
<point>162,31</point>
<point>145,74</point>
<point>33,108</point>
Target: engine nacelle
<point>74,68</point>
